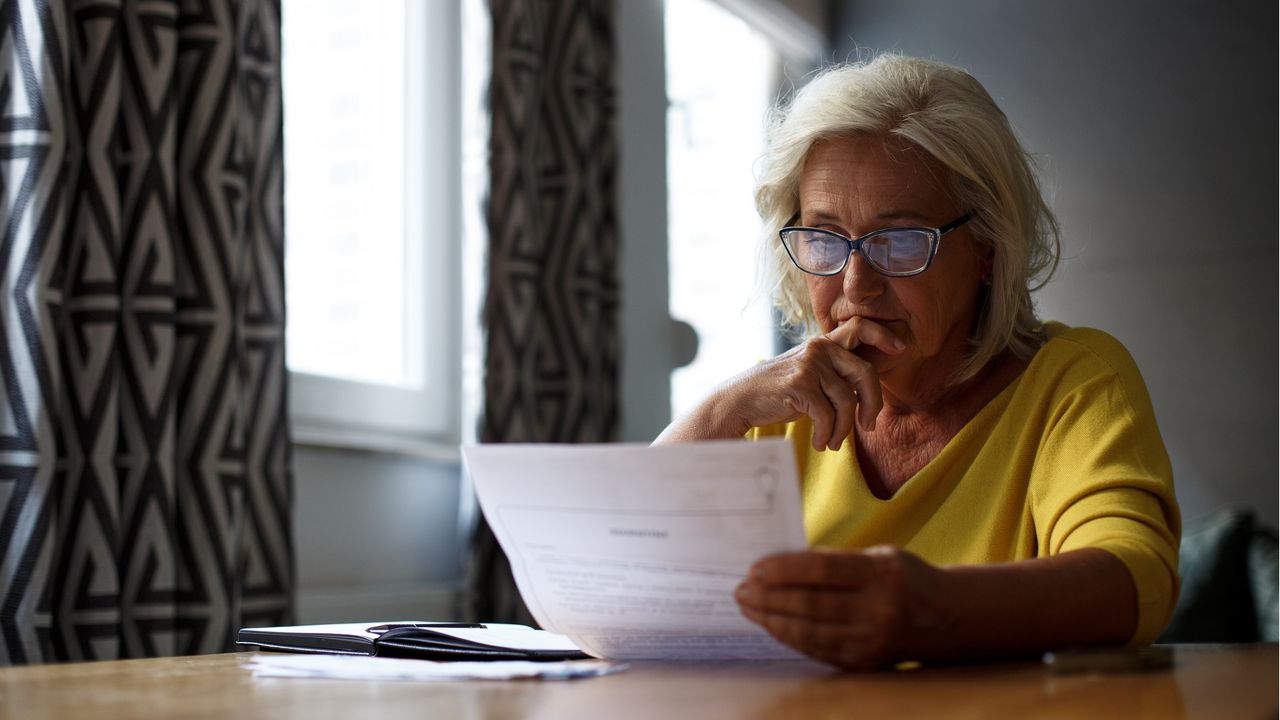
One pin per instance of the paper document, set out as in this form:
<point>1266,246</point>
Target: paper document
<point>634,551</point>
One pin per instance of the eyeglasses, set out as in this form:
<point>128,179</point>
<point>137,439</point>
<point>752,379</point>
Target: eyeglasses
<point>896,252</point>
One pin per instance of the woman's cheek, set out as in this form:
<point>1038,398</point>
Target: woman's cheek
<point>822,295</point>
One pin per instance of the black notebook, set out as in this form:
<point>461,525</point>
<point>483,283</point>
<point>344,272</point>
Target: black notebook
<point>415,639</point>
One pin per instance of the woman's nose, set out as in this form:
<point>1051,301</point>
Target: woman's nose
<point>861,281</point>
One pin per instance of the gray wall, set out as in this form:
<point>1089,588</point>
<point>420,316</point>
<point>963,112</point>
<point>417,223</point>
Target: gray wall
<point>376,536</point>
<point>648,337</point>
<point>1157,124</point>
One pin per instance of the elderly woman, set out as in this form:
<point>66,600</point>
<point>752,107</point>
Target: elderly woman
<point>976,483</point>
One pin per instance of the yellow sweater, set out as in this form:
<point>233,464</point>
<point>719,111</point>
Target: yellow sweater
<point>1067,457</point>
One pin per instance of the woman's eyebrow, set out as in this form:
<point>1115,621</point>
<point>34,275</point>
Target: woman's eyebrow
<point>816,209</point>
<point>822,218</point>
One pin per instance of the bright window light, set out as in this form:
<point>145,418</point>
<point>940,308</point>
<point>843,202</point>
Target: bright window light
<point>372,227</point>
<point>719,93</point>
<point>350,273</point>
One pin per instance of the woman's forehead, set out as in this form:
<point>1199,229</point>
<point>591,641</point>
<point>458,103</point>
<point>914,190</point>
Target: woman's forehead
<point>877,174</point>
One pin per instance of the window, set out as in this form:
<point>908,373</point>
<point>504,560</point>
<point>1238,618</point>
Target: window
<point>719,93</point>
<point>371,221</point>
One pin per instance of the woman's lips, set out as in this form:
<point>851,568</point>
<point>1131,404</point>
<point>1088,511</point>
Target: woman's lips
<point>872,318</point>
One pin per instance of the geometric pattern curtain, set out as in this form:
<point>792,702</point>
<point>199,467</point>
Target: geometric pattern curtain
<point>551,301</point>
<point>145,482</point>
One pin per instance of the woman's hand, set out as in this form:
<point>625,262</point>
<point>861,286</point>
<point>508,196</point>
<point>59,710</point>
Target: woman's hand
<point>821,378</point>
<point>859,610</point>
<point>867,609</point>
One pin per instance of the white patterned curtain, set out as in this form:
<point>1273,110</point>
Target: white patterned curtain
<point>145,483</point>
<point>550,316</point>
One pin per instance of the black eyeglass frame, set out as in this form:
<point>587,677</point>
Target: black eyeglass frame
<point>855,245</point>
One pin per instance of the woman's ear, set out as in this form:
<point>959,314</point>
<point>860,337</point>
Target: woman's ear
<point>986,263</point>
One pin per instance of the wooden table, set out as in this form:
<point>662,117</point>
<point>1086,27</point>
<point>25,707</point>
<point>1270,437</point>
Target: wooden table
<point>1216,682</point>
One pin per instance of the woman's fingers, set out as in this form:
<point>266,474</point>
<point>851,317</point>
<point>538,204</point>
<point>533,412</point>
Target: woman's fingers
<point>822,387</point>
<point>821,379</point>
<point>819,409</point>
<point>836,643</point>
<point>853,608</point>
<point>870,400</point>
<point>816,568</point>
<point>850,392</point>
<point>850,335</point>
<point>862,378</point>
<point>819,605</point>
<point>860,331</point>
<point>845,403</point>
<point>832,406</point>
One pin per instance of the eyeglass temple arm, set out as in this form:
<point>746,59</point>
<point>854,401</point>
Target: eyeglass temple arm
<point>957,222</point>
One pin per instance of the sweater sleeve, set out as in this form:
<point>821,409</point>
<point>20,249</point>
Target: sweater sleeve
<point>1102,479</point>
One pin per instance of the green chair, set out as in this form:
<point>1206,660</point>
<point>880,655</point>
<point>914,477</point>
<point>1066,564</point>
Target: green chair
<point>1229,582</point>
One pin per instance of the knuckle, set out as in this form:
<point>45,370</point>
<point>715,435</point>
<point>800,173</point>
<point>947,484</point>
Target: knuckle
<point>890,565</point>
<point>864,365</point>
<point>814,348</point>
<point>863,368</point>
<point>807,365</point>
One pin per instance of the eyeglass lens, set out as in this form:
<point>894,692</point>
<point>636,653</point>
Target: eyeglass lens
<point>899,251</point>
